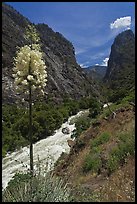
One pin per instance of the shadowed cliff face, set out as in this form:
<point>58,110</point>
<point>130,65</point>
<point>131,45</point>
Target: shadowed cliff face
<point>121,64</point>
<point>65,76</point>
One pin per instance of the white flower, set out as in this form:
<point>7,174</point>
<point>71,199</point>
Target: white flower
<point>14,75</point>
<point>24,82</point>
<point>33,87</point>
<point>29,60</point>
<point>23,100</point>
<point>18,73</point>
<point>42,92</point>
<point>17,81</point>
<point>44,84</point>
<point>45,80</point>
<point>26,92</point>
<point>30,77</point>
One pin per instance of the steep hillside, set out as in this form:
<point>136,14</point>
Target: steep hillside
<point>65,76</point>
<point>100,166</point>
<point>120,74</point>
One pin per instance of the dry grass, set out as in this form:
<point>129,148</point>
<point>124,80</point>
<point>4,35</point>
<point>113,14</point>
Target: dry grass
<point>119,186</point>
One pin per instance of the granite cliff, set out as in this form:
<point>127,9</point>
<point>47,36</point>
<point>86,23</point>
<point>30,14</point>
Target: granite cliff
<point>65,76</point>
<point>120,73</point>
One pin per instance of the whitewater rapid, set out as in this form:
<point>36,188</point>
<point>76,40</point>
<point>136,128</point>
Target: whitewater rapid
<point>46,150</point>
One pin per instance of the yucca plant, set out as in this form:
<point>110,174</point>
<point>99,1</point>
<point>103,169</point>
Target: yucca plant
<point>30,74</point>
<point>44,186</point>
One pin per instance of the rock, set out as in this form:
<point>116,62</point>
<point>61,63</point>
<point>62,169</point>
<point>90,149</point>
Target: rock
<point>106,105</point>
<point>120,74</point>
<point>97,123</point>
<point>106,118</point>
<point>65,130</point>
<point>65,76</point>
<point>71,143</point>
<point>122,109</point>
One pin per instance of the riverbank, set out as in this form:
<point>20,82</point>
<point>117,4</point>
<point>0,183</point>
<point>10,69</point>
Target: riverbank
<point>46,150</point>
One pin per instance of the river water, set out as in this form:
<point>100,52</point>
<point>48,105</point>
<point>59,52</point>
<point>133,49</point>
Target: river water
<point>47,150</point>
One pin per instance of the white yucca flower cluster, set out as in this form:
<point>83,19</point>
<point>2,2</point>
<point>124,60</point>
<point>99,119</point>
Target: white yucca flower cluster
<point>29,69</point>
<point>31,34</point>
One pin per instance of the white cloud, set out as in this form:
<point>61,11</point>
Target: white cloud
<point>83,65</point>
<point>105,62</point>
<point>121,22</point>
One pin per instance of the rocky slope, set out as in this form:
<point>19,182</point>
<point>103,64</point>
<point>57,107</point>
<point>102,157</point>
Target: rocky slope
<point>65,76</point>
<point>121,65</point>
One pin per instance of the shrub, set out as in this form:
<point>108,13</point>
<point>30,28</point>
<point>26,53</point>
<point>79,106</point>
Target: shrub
<point>125,147</point>
<point>84,103</point>
<point>40,188</point>
<point>112,164</point>
<point>46,119</point>
<point>101,139</point>
<point>81,124</point>
<point>93,161</point>
<point>129,98</point>
<point>95,109</point>
<point>118,95</point>
<point>65,113</point>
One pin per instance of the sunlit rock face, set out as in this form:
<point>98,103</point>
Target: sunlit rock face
<point>65,76</point>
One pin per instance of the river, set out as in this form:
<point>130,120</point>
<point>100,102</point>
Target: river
<point>48,150</point>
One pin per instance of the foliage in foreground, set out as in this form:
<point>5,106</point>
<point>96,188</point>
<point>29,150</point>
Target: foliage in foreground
<point>40,188</point>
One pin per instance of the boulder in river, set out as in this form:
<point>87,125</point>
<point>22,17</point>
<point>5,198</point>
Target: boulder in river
<point>65,130</point>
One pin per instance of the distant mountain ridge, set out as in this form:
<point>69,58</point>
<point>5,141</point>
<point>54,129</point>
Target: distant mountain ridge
<point>96,71</point>
<point>65,76</point>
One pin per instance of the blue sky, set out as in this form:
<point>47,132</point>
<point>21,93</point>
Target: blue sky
<point>90,26</point>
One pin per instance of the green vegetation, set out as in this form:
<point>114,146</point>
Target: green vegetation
<point>118,95</point>
<point>117,156</point>
<point>124,103</point>
<point>130,97</point>
<point>12,138</point>
<point>93,161</point>
<point>125,147</point>
<point>81,124</point>
<point>95,109</point>
<point>47,117</point>
<point>101,139</point>
<point>84,122</point>
<point>48,188</point>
